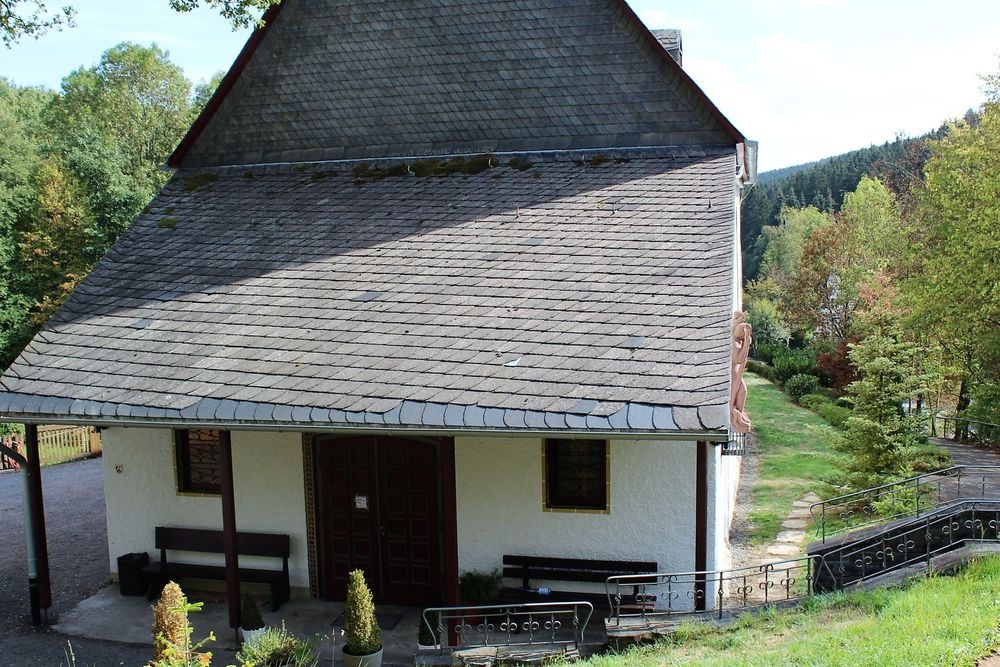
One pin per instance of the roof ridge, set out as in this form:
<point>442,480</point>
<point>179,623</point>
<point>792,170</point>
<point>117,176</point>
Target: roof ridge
<point>678,152</point>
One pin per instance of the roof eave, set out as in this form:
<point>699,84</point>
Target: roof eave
<point>712,435</point>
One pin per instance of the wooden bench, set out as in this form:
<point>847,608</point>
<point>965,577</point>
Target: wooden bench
<point>527,568</point>
<point>210,541</point>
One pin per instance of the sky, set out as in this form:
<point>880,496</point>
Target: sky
<point>806,78</point>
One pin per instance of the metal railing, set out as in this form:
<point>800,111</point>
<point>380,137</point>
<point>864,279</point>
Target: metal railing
<point>649,598</point>
<point>536,624</point>
<point>970,430</point>
<point>14,445</point>
<point>909,497</point>
<point>899,546</point>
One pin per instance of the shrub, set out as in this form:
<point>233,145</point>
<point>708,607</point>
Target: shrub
<point>362,634</point>
<point>479,587</point>
<point>845,402</point>
<point>814,401</point>
<point>926,457</point>
<point>427,636</point>
<point>801,384</point>
<point>836,415</point>
<point>277,647</point>
<point>835,367</point>
<point>792,363</point>
<point>172,645</point>
<point>763,370</point>
<point>250,615</point>
<point>768,325</point>
<point>767,352</point>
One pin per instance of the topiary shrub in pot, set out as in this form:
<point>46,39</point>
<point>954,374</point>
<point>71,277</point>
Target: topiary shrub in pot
<point>251,624</point>
<point>362,636</point>
<point>427,635</point>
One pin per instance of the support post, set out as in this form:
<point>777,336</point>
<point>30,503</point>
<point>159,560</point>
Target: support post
<point>701,525</point>
<point>229,529</point>
<point>449,506</point>
<point>39,588</point>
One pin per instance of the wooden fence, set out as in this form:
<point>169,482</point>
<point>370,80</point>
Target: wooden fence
<point>57,444</point>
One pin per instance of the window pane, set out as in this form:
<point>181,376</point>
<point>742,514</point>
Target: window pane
<point>577,474</point>
<point>200,461</point>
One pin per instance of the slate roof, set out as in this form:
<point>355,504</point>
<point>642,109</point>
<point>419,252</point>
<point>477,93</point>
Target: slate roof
<point>587,292</point>
<point>332,79</point>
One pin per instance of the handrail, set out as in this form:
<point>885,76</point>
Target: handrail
<point>514,625</point>
<point>898,546</point>
<point>930,488</point>
<point>664,594</point>
<point>639,601</point>
<point>989,434</point>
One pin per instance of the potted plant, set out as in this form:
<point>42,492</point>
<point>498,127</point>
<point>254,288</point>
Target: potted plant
<point>477,588</point>
<point>362,636</point>
<point>277,647</point>
<point>427,635</point>
<point>251,624</point>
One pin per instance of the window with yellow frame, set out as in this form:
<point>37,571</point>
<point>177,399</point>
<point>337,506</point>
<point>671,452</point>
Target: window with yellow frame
<point>576,475</point>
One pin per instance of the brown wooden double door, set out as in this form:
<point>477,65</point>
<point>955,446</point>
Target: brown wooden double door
<point>380,510</point>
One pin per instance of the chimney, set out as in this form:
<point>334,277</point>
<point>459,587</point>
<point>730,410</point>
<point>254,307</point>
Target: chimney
<point>671,41</point>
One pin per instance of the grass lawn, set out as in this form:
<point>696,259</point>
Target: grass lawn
<point>948,620</point>
<point>793,457</point>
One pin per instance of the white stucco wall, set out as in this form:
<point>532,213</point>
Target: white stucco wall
<point>725,473</point>
<point>500,506</point>
<point>270,495</point>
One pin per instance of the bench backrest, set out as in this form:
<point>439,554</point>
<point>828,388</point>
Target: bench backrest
<point>210,541</point>
<point>570,569</point>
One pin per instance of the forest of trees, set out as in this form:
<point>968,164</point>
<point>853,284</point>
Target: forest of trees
<point>76,166</point>
<point>899,164</point>
<point>886,289</point>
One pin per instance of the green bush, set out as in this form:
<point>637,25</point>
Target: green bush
<point>801,384</point>
<point>763,370</point>
<point>362,633</point>
<point>476,587</point>
<point>836,415</point>
<point>926,457</point>
<point>277,647</point>
<point>792,363</point>
<point>769,327</point>
<point>845,402</point>
<point>813,401</point>
<point>766,352</point>
<point>250,615</point>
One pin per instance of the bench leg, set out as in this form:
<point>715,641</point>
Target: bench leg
<point>279,595</point>
<point>156,584</point>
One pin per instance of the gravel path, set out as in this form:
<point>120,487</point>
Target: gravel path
<point>75,521</point>
<point>739,529</point>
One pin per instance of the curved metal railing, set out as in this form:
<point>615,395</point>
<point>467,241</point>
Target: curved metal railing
<point>970,430</point>
<point>908,497</point>
<point>653,597</point>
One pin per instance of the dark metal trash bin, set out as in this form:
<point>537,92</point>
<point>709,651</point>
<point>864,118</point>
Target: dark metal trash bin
<point>130,578</point>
